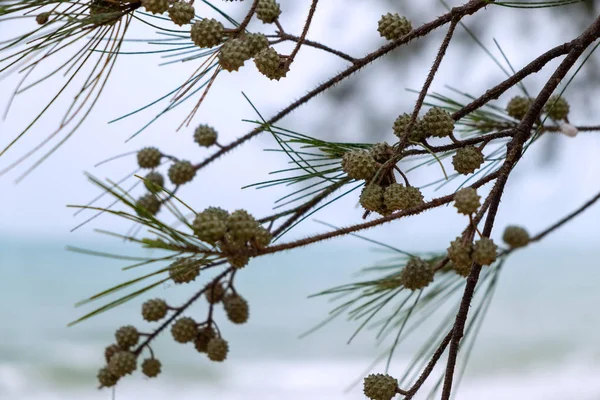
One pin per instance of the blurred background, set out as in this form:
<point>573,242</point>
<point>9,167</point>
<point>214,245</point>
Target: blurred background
<point>539,338</point>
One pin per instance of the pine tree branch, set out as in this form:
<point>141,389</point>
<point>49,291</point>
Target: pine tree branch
<point>317,45</point>
<point>311,13</point>
<point>434,68</point>
<point>523,132</point>
<point>566,219</point>
<point>437,202</point>
<point>458,12</point>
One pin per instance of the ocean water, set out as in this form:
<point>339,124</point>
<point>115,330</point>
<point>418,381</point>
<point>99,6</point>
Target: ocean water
<point>539,339</point>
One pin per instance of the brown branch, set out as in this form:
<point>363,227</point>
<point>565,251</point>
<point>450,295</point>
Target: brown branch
<point>566,219</point>
<point>246,21</point>
<point>429,368</point>
<point>317,45</point>
<point>459,143</point>
<point>579,128</point>
<point>358,227</point>
<point>469,8</point>
<point>311,13</point>
<point>434,68</point>
<point>278,24</point>
<point>531,68</point>
<point>178,312</point>
<point>523,132</point>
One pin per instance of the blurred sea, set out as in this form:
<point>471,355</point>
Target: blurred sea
<point>539,339</point>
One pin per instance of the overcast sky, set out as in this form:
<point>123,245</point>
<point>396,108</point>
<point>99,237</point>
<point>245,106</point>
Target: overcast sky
<point>37,206</point>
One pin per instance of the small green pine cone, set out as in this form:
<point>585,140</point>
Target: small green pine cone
<point>515,236</point>
<point>359,164</point>
<point>230,245</point>
<point>398,197</point>
<point>271,64</point>
<point>267,11</point>
<point>233,54</point>
<point>400,124</point>
<point>460,256</point>
<point>42,18</point>
<point>127,336</point>
<point>181,172</point>
<point>380,387</point>
<point>151,367</point>
<point>234,248</point>
<point>484,251</point>
<point>466,201</point>
<point>149,157</point>
<point>217,349</point>
<point>262,238</point>
<point>518,106</point>
<point>394,197</point>
<point>110,351</point>
<point>156,6</point>
<point>557,108</point>
<point>106,378</point>
<point>236,308</point>
<point>154,182</point>
<point>154,310</point>
<point>123,363</point>
<point>417,274</point>
<point>238,261</point>
<point>214,293</point>
<point>256,43</point>
<point>393,26</point>
<point>467,160</point>
<point>371,198</point>
<point>184,330</point>
<point>219,212</point>
<point>207,33</point>
<point>203,337</point>
<point>209,227</point>
<point>184,270</point>
<point>381,152</point>
<point>242,226</point>
<point>181,13</point>
<point>437,122</point>
<point>148,204</point>
<point>205,135</point>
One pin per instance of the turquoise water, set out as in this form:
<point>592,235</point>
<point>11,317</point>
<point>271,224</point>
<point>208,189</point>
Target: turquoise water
<point>539,339</point>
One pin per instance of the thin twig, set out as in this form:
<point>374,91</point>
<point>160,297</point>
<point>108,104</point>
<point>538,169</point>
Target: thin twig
<point>311,13</point>
<point>178,312</point>
<point>434,68</point>
<point>358,227</point>
<point>317,45</point>
<point>469,8</point>
<point>566,219</point>
<point>248,18</point>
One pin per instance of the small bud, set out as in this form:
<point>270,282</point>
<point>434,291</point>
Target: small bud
<point>42,18</point>
<point>568,130</point>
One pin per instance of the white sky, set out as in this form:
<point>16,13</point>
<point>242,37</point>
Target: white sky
<point>36,206</point>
